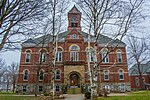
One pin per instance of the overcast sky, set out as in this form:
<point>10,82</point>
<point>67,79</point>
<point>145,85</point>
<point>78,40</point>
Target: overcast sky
<point>11,56</point>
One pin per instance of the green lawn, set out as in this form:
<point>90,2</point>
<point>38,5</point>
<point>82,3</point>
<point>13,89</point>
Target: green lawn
<point>7,93</point>
<point>21,98</point>
<point>142,95</point>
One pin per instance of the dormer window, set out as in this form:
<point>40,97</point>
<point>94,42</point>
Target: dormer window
<point>73,36</point>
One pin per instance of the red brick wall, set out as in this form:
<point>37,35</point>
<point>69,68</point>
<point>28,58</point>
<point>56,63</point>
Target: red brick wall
<point>80,42</point>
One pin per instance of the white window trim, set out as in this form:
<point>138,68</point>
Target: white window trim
<point>121,74</point>
<point>28,53</point>
<point>25,88</point>
<point>39,88</point>
<point>75,55</point>
<point>59,74</point>
<point>106,74</point>
<point>58,54</point>
<point>105,59</point>
<point>43,59</point>
<point>39,75</point>
<point>58,87</point>
<point>119,52</point>
<point>24,75</point>
<point>137,81</point>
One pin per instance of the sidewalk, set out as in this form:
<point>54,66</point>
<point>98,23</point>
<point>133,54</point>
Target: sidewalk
<point>74,96</point>
<point>118,94</point>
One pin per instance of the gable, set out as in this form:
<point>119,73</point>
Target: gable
<point>74,32</point>
<point>74,10</point>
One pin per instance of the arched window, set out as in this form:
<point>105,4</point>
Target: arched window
<point>105,56</point>
<point>106,75</point>
<point>59,55</point>
<point>42,57</point>
<point>74,53</point>
<point>58,74</point>
<point>119,56</point>
<point>27,59</point>
<point>41,75</point>
<point>121,74</point>
<point>25,77</point>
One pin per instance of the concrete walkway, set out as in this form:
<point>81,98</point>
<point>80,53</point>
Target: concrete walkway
<point>74,97</point>
<point>118,94</point>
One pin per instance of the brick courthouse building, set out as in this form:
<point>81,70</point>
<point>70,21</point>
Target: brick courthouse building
<point>71,63</point>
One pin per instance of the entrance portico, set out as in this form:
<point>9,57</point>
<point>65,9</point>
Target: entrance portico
<point>74,79</point>
<point>74,75</point>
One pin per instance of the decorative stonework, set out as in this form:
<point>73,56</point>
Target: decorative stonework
<point>68,69</point>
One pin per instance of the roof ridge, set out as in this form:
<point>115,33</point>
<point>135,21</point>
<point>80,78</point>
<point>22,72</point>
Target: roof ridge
<point>75,8</point>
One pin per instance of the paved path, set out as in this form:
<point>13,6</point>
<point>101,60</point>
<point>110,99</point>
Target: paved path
<point>118,94</point>
<point>74,97</point>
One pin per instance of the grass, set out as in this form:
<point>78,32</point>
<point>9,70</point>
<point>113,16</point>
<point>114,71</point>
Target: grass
<point>142,95</point>
<point>21,98</point>
<point>7,93</point>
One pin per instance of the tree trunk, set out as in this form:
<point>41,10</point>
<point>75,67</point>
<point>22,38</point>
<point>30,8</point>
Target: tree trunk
<point>37,82</point>
<point>13,86</point>
<point>140,76</point>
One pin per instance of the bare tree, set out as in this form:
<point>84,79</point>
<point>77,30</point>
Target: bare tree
<point>12,72</point>
<point>138,53</point>
<point>114,16</point>
<point>19,18</point>
<point>51,28</point>
<point>2,67</point>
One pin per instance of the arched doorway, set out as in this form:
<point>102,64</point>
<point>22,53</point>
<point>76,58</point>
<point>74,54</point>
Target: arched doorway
<point>74,79</point>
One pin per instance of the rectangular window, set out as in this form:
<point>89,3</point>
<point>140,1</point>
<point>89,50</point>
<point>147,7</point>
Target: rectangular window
<point>41,76</point>
<point>106,75</point>
<point>24,88</point>
<point>42,57</point>
<point>27,57</point>
<point>121,74</point>
<point>119,57</point>
<point>74,56</point>
<point>143,79</point>
<point>105,58</point>
<point>40,88</point>
<point>59,56</point>
<point>121,77</point>
<point>137,81</point>
<point>57,88</point>
<point>58,74</point>
<point>25,76</point>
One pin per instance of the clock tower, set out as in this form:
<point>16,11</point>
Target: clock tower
<point>74,19</point>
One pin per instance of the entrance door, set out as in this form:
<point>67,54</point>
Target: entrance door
<point>74,80</point>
